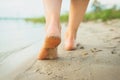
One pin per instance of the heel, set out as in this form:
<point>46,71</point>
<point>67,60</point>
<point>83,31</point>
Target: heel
<point>52,42</point>
<point>49,50</point>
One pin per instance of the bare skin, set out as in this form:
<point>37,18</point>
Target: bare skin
<point>77,11</point>
<point>53,28</point>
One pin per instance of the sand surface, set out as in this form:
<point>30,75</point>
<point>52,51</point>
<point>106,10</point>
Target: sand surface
<point>97,57</point>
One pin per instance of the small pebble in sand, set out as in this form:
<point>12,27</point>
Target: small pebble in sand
<point>92,50</point>
<point>37,70</point>
<point>112,52</point>
<point>118,41</point>
<point>84,53</point>
<point>111,29</point>
<point>95,50</point>
<point>79,46</point>
<point>116,37</point>
<point>119,55</point>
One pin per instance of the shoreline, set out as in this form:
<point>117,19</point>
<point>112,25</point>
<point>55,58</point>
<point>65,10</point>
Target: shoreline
<point>98,59</point>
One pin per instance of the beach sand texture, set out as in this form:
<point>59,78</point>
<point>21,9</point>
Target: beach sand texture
<point>97,57</point>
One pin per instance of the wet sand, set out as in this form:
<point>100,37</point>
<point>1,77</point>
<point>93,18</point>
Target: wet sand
<point>97,57</point>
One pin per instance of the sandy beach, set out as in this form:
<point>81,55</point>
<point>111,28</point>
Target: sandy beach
<point>97,57</point>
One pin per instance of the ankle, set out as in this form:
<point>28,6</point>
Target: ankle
<point>70,35</point>
<point>53,29</point>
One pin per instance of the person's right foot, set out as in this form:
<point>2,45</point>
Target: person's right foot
<point>70,43</point>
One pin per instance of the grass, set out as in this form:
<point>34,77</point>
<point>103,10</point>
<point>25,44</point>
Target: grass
<point>36,20</point>
<point>63,18</point>
<point>102,15</point>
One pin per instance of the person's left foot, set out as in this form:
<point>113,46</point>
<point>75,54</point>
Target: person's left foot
<point>52,40</point>
<point>49,49</point>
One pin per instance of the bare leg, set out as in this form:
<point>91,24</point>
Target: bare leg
<point>77,11</point>
<point>53,37</point>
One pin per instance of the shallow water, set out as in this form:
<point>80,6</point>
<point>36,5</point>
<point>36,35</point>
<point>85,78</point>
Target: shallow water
<point>16,35</point>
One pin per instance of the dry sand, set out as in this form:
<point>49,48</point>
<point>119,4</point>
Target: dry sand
<point>97,57</point>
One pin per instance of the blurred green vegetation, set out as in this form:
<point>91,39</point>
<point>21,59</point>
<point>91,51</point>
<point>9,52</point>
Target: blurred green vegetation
<point>99,13</point>
<point>36,20</point>
<point>103,15</point>
<point>63,18</point>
